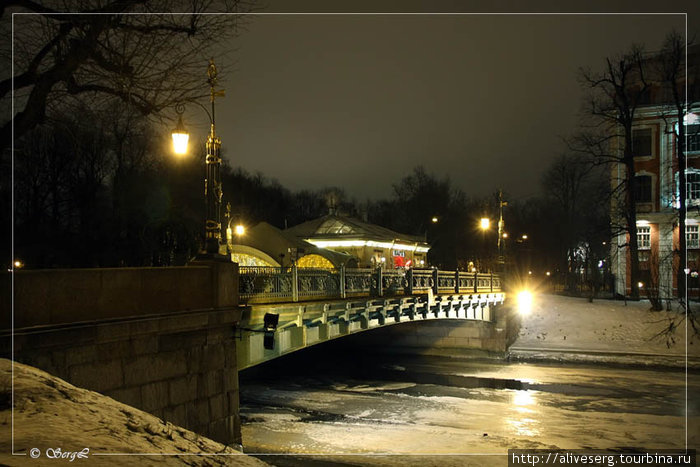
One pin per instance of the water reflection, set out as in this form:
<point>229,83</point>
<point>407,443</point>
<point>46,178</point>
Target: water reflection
<point>521,423</point>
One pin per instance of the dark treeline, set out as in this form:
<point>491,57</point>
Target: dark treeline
<point>102,189</point>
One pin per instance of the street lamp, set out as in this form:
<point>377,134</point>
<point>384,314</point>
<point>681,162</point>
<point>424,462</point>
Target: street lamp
<point>212,183</point>
<point>180,134</point>
<point>485,223</point>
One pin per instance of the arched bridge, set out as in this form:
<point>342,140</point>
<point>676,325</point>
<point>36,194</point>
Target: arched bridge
<point>171,340</point>
<point>288,309</point>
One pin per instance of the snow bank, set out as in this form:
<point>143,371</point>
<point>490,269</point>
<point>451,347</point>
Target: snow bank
<point>56,418</point>
<point>568,328</point>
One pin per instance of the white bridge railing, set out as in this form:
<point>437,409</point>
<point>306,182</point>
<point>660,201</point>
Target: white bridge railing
<point>274,284</point>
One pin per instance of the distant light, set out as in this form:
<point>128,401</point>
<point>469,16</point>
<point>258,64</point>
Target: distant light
<point>505,235</point>
<point>239,230</point>
<point>604,243</point>
<point>529,273</point>
<point>548,273</point>
<point>600,263</point>
<point>18,264</point>
<point>640,285</point>
<point>524,302</point>
<point>383,260</point>
<point>422,262</point>
<point>473,269</point>
<point>485,223</point>
<point>524,237</point>
<point>434,219</point>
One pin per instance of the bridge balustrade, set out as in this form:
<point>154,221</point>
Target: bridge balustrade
<point>274,284</point>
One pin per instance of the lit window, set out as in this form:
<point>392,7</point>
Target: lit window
<point>642,188</point>
<point>641,142</point>
<point>693,134</point>
<point>643,237</point>
<point>692,236</point>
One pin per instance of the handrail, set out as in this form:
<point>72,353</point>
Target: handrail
<point>258,284</point>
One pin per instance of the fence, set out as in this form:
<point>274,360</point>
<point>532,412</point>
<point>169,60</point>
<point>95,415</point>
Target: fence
<point>273,284</point>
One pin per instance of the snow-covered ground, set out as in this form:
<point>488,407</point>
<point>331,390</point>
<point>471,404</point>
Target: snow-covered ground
<point>53,417</point>
<point>568,328</point>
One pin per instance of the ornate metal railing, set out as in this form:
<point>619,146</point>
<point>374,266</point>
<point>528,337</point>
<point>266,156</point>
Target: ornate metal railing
<point>265,283</point>
<point>317,283</point>
<point>359,282</point>
<point>269,284</point>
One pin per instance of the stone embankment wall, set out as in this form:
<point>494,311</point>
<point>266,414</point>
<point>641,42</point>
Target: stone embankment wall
<point>159,339</point>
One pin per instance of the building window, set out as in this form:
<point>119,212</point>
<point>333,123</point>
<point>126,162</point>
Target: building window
<point>693,134</point>
<point>643,237</point>
<point>641,142</point>
<point>692,236</point>
<point>642,188</point>
<point>692,184</point>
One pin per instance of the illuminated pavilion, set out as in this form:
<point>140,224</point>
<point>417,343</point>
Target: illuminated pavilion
<point>371,245</point>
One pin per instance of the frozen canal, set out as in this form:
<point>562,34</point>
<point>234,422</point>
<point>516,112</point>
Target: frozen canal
<point>437,411</point>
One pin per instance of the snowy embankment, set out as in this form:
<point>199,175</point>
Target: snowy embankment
<point>54,421</point>
<point>572,329</point>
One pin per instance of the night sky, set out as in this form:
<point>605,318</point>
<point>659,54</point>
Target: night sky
<point>358,101</point>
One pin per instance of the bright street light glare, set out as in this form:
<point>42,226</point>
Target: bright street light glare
<point>485,223</point>
<point>524,302</point>
<point>240,230</point>
<point>180,143</point>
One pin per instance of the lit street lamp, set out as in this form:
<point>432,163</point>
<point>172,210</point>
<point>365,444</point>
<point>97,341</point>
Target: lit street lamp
<point>485,223</point>
<point>212,184</point>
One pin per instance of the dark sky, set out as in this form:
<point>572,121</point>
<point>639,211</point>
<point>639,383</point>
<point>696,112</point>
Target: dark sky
<point>358,101</point>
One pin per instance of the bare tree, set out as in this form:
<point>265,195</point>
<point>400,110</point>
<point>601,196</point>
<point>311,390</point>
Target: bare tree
<point>576,198</point>
<point>149,54</point>
<point>671,67</point>
<point>615,95</point>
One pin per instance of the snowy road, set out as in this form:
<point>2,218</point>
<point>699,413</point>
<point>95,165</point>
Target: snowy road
<point>443,407</point>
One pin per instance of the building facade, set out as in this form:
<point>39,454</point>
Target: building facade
<point>657,193</point>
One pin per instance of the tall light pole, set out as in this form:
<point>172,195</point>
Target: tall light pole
<point>212,184</point>
<point>213,192</point>
<point>501,233</point>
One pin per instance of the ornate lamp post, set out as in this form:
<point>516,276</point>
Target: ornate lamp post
<point>213,192</point>
<point>502,235</point>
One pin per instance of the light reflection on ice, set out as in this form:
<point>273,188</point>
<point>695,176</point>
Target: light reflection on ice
<point>522,400</point>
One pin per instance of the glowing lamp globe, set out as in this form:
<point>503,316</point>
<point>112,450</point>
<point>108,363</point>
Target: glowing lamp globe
<point>180,138</point>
